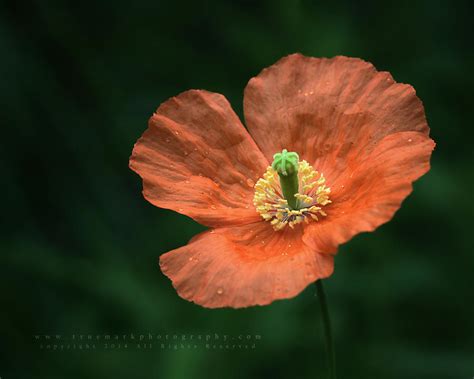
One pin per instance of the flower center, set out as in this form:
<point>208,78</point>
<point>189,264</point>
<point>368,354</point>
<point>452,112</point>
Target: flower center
<point>298,195</point>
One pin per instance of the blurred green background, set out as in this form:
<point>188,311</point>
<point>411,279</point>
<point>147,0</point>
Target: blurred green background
<point>79,244</point>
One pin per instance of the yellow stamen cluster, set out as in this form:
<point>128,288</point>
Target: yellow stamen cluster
<point>272,206</point>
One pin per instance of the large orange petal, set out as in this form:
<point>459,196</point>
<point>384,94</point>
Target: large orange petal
<point>328,109</point>
<point>244,266</point>
<point>370,191</point>
<point>197,159</point>
<point>351,123</point>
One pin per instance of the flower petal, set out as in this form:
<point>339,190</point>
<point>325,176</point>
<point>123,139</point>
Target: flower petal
<point>197,158</point>
<point>244,266</point>
<point>327,109</point>
<point>371,190</point>
<point>351,123</point>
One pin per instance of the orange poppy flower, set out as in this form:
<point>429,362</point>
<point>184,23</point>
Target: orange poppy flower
<point>350,142</point>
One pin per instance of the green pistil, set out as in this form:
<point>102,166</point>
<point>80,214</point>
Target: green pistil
<point>286,164</point>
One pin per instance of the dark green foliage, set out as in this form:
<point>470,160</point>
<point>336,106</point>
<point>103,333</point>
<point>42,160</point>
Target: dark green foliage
<point>79,244</point>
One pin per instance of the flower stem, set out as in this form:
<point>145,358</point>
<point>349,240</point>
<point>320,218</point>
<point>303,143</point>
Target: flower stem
<point>286,165</point>
<point>289,187</point>
<point>330,355</point>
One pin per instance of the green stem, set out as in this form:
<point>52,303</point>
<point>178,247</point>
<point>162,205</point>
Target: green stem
<point>289,186</point>
<point>286,165</point>
<point>330,355</point>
